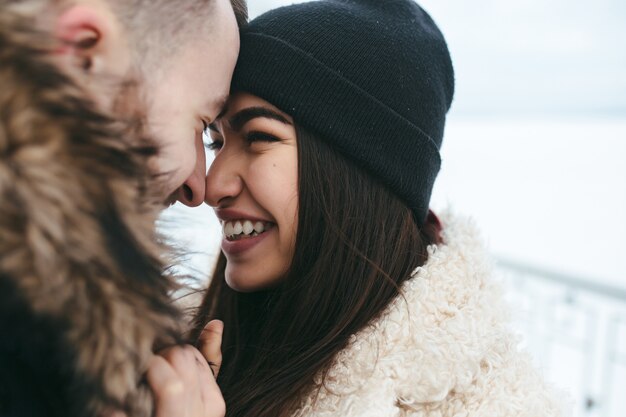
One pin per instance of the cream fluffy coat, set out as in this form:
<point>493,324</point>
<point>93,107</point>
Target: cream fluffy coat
<point>442,349</point>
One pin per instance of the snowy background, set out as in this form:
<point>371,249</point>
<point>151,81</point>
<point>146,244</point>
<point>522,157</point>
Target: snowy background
<point>535,151</point>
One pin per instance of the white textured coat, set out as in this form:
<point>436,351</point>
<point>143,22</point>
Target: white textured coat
<point>443,349</point>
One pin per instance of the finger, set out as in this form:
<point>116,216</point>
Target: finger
<point>210,394</point>
<point>206,385</point>
<point>182,361</point>
<point>167,386</point>
<point>211,344</point>
<point>212,399</point>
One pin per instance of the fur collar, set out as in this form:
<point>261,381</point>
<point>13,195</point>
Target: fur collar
<point>84,299</point>
<point>440,343</point>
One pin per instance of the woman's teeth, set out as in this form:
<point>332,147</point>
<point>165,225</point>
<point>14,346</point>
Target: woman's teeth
<point>237,229</point>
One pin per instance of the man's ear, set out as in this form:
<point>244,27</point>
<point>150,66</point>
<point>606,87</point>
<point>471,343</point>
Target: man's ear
<point>89,40</point>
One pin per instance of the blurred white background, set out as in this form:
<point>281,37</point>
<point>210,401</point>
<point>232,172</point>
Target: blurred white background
<point>535,151</point>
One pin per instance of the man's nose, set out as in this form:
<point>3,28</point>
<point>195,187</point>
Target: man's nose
<point>191,193</point>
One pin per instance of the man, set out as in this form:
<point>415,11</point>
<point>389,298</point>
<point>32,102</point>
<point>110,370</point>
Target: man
<point>179,54</point>
<point>84,257</point>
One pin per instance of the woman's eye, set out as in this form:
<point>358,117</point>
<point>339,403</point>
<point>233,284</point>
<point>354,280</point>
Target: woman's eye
<point>261,137</point>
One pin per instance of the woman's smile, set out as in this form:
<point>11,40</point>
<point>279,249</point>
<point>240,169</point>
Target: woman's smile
<point>238,244</point>
<point>243,229</point>
<point>242,232</point>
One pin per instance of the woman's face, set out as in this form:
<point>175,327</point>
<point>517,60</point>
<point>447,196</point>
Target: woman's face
<point>253,186</point>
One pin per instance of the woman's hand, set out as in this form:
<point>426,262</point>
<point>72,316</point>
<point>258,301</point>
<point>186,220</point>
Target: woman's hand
<point>182,380</point>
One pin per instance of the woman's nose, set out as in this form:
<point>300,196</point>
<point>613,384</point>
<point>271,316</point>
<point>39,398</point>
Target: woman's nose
<point>223,181</point>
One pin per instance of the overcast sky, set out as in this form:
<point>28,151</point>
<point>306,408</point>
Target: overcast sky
<point>531,57</point>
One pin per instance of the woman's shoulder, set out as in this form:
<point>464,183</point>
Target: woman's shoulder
<point>443,346</point>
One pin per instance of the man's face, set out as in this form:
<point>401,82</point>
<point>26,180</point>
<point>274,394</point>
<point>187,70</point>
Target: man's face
<point>177,99</point>
<point>190,92</point>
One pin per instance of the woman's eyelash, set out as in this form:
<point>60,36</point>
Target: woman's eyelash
<point>250,138</point>
<point>261,137</point>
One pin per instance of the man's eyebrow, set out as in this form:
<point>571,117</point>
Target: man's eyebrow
<point>222,104</point>
<point>238,120</point>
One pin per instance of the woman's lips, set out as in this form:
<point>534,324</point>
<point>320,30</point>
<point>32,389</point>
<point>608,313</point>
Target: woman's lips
<point>243,244</point>
<point>242,230</point>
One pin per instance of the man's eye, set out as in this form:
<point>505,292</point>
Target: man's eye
<point>205,127</point>
<point>215,145</point>
<point>261,137</point>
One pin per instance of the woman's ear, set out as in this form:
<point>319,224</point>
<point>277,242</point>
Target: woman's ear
<point>90,41</point>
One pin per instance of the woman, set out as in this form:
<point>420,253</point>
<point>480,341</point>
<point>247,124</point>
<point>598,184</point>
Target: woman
<point>340,292</point>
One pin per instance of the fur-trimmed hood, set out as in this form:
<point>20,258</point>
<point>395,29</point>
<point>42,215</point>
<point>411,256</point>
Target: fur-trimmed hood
<point>443,348</point>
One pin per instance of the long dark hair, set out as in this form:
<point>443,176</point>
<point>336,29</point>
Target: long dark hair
<point>356,244</point>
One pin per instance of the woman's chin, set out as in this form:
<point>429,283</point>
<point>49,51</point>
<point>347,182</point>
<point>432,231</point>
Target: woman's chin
<point>248,281</point>
<point>239,286</point>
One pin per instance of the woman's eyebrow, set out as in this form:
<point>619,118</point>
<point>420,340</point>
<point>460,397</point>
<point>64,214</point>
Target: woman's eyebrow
<point>239,119</point>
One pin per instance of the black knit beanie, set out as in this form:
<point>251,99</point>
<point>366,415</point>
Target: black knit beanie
<point>372,77</point>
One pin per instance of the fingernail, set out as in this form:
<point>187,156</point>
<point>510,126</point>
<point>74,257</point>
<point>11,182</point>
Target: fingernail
<point>217,325</point>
